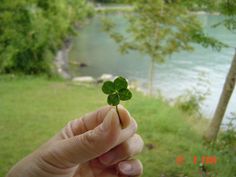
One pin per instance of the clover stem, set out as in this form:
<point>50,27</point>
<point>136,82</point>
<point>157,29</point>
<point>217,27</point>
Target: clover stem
<point>119,116</point>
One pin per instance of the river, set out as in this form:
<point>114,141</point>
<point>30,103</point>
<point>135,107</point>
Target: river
<point>203,70</point>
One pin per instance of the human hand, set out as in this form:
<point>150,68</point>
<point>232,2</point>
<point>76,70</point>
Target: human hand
<point>93,146</point>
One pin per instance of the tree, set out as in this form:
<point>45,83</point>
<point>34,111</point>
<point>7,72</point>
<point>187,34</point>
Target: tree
<point>228,8</point>
<point>160,28</point>
<point>213,129</point>
<point>31,31</point>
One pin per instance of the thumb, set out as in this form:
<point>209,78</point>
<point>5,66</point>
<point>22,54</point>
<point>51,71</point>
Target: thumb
<point>92,143</point>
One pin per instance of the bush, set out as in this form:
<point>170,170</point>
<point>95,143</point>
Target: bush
<point>31,31</point>
<point>190,102</point>
<point>192,99</point>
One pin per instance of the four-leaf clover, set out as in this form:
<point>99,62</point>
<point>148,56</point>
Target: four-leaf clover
<point>116,91</point>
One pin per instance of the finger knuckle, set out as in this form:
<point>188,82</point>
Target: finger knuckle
<point>88,141</point>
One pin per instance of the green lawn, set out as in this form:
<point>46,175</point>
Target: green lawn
<point>34,109</point>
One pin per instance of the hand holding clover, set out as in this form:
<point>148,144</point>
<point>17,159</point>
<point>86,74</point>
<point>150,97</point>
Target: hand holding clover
<point>94,145</point>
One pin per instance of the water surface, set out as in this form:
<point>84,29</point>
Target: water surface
<point>203,70</point>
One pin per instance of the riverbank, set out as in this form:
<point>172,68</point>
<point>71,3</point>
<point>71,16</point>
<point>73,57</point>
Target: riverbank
<point>33,109</point>
<point>101,8</point>
<point>113,8</point>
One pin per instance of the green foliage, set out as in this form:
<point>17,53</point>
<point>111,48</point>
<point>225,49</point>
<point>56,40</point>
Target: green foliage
<point>225,146</point>
<point>188,103</point>
<point>227,7</point>
<point>227,138</point>
<point>192,99</point>
<point>224,7</point>
<point>116,91</point>
<point>158,29</point>
<point>32,31</point>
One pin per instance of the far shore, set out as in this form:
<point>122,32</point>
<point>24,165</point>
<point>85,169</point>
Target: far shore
<point>128,8</point>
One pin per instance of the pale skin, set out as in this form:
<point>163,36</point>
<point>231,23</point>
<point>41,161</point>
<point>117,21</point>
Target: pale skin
<point>92,146</point>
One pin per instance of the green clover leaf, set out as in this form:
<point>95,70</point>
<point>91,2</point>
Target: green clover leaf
<point>108,87</point>
<point>120,83</point>
<point>113,99</point>
<point>125,94</point>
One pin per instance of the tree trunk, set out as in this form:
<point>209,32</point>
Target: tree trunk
<point>212,131</point>
<point>151,77</point>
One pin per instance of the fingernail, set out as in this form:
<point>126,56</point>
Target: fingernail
<point>122,107</point>
<point>107,159</point>
<point>128,112</point>
<point>125,168</point>
<point>108,121</point>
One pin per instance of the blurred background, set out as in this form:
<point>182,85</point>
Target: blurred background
<point>178,56</point>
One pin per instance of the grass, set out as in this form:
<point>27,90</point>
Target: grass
<point>34,109</point>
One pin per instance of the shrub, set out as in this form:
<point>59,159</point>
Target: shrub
<point>31,31</point>
<point>192,99</point>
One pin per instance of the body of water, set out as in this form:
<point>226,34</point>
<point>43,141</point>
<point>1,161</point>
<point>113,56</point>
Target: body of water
<point>203,69</point>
